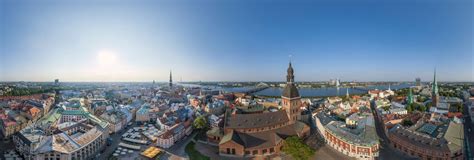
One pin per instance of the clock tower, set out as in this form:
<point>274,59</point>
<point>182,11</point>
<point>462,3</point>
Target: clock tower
<point>291,100</point>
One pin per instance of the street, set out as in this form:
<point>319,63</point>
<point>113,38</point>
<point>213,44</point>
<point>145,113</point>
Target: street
<point>467,127</point>
<point>110,149</point>
<point>386,151</point>
<point>177,150</point>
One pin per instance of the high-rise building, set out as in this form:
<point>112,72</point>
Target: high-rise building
<point>418,82</point>
<point>434,91</point>
<point>56,82</point>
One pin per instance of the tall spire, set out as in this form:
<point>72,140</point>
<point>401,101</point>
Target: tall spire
<point>171,80</point>
<point>347,92</point>
<point>434,91</point>
<point>290,78</point>
<point>410,97</point>
<point>434,87</point>
<point>290,90</point>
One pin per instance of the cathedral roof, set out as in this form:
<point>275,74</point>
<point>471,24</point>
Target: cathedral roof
<point>290,91</point>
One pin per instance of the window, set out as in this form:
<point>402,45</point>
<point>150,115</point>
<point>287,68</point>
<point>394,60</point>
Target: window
<point>247,152</point>
<point>255,152</point>
<point>233,151</point>
<point>228,150</point>
<point>272,150</point>
<point>264,151</point>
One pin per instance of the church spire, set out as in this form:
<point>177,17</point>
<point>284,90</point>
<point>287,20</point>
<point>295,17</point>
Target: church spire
<point>290,78</point>
<point>347,92</point>
<point>171,80</point>
<point>410,99</point>
<point>434,88</point>
<point>434,91</point>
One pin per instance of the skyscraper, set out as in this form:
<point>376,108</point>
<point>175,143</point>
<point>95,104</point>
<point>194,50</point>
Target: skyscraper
<point>434,91</point>
<point>418,82</point>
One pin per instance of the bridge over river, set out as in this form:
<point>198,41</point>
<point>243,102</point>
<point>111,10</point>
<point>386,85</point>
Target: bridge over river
<point>251,90</point>
<point>264,90</point>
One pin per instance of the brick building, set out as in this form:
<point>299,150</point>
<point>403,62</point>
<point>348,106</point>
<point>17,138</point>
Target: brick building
<point>262,134</point>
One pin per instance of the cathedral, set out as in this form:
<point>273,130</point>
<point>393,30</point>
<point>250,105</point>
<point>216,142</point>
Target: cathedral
<point>262,134</point>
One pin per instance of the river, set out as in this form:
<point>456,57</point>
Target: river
<point>317,92</point>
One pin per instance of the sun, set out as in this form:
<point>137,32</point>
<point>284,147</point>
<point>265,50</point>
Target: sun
<point>106,58</point>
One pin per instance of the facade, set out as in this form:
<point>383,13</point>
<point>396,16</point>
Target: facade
<point>63,134</point>
<point>116,118</point>
<point>446,145</point>
<point>216,107</point>
<point>173,134</point>
<point>398,111</point>
<point>262,133</point>
<point>23,111</point>
<point>356,138</point>
<point>142,114</point>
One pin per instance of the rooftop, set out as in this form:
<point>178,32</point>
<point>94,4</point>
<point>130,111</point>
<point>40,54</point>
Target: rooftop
<point>257,120</point>
<point>365,136</point>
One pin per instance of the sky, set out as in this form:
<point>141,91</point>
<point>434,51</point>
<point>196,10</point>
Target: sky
<point>213,40</point>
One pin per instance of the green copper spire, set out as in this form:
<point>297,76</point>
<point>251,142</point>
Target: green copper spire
<point>410,97</point>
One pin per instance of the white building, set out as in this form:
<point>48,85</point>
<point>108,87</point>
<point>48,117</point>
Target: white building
<point>116,118</point>
<point>174,134</point>
<point>399,111</point>
<point>80,136</point>
<point>216,107</point>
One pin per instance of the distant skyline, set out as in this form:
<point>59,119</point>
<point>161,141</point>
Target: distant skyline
<point>210,40</point>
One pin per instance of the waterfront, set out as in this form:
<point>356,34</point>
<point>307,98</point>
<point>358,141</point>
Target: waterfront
<point>317,92</point>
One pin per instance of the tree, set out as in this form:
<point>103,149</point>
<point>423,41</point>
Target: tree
<point>409,108</point>
<point>417,107</point>
<point>295,147</point>
<point>457,107</point>
<point>421,108</point>
<point>421,99</point>
<point>200,123</point>
<point>407,122</point>
<point>429,104</point>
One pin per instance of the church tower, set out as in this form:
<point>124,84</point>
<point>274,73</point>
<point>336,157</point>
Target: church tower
<point>434,91</point>
<point>410,99</point>
<point>291,100</point>
<point>347,93</point>
<point>171,80</point>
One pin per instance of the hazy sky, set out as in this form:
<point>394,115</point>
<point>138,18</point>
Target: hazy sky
<point>236,40</point>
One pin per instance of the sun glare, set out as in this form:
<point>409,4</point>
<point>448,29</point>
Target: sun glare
<point>106,58</point>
